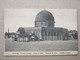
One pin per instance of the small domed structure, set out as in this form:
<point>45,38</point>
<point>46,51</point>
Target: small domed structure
<point>21,30</point>
<point>44,19</point>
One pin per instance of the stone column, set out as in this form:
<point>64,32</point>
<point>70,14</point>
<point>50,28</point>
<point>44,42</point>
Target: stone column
<point>39,34</point>
<point>47,35</point>
<point>44,35</point>
<point>50,36</point>
<point>61,36</point>
<point>53,35</point>
<point>57,36</point>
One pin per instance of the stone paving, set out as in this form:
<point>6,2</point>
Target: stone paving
<point>70,45</point>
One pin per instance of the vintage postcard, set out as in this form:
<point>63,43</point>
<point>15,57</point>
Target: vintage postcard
<point>40,31</point>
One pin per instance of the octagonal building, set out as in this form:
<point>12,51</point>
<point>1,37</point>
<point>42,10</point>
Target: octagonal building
<point>45,27</point>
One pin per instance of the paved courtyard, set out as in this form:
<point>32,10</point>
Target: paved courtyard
<point>70,45</point>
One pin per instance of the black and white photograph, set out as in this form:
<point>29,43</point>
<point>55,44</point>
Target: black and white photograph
<point>40,31</point>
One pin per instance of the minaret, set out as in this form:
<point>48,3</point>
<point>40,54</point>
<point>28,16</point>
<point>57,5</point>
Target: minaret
<point>8,33</point>
<point>8,30</point>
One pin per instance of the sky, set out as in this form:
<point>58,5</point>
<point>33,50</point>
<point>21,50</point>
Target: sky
<point>19,17</point>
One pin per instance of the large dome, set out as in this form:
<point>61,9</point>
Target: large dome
<point>44,16</point>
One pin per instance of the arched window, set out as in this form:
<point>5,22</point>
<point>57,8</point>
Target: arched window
<point>48,33</point>
<point>51,33</point>
<point>49,24</point>
<point>54,33</point>
<point>45,33</point>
